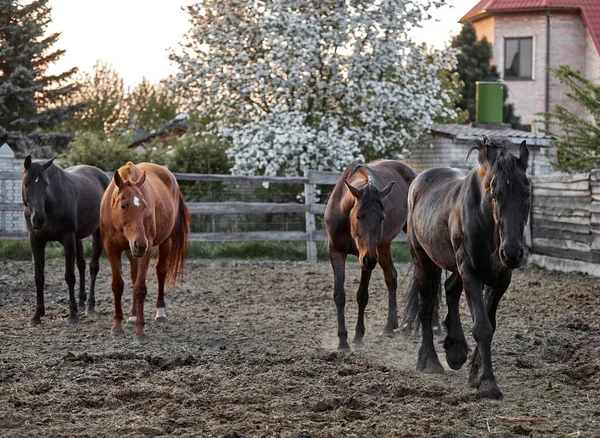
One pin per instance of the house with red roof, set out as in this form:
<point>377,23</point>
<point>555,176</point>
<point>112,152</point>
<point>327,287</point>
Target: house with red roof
<point>528,35</point>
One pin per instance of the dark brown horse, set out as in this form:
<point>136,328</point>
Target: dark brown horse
<point>471,225</point>
<point>63,206</point>
<point>366,211</point>
<point>143,208</point>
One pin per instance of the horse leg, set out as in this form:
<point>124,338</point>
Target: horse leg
<point>133,262</point>
<point>492,299</point>
<point>426,280</point>
<point>161,274</point>
<point>338,263</point>
<point>455,343</point>
<point>80,260</point>
<point>69,245</point>
<point>139,294</point>
<point>391,281</point>
<point>38,249</point>
<point>114,258</point>
<point>483,333</point>
<point>362,298</point>
<point>94,268</point>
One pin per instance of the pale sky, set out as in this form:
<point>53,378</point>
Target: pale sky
<point>134,35</point>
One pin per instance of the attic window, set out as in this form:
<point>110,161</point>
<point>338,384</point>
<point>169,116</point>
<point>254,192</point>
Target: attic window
<point>518,58</point>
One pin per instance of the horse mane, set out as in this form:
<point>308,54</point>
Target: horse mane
<point>498,149</point>
<point>371,192</point>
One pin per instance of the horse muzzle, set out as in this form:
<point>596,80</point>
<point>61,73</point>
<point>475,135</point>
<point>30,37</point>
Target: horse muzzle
<point>368,262</point>
<point>138,249</point>
<point>513,259</point>
<point>37,222</point>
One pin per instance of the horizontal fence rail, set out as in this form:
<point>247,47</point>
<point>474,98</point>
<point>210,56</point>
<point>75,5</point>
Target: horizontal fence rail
<point>310,208</point>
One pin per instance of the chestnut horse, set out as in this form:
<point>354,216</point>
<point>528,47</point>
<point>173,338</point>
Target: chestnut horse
<point>472,225</point>
<point>143,208</point>
<point>366,211</point>
<point>64,206</point>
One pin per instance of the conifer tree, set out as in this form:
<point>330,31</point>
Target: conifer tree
<point>578,141</point>
<point>30,97</point>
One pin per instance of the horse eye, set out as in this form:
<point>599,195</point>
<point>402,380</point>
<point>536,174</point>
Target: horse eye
<point>358,217</point>
<point>123,207</point>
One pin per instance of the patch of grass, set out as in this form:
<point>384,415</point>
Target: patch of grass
<point>279,250</point>
<point>19,250</point>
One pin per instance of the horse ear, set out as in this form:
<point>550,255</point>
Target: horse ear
<point>387,189</point>
<point>27,162</point>
<point>355,192</point>
<point>486,154</point>
<point>523,154</point>
<point>48,163</point>
<point>117,179</point>
<point>141,179</point>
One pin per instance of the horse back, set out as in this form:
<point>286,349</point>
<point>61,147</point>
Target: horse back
<point>434,213</point>
<point>89,184</point>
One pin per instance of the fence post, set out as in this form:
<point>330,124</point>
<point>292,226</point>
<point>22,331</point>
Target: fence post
<point>311,225</point>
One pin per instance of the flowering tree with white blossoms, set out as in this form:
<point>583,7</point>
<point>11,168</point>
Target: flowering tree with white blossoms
<point>299,84</point>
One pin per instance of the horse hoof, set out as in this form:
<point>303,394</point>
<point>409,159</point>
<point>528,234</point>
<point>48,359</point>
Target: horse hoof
<point>143,338</point>
<point>343,346</point>
<point>489,389</point>
<point>73,321</point>
<point>388,333</point>
<point>90,312</point>
<point>357,342</point>
<point>456,353</point>
<point>116,332</point>
<point>162,319</point>
<point>34,321</point>
<point>430,367</point>
<point>131,320</point>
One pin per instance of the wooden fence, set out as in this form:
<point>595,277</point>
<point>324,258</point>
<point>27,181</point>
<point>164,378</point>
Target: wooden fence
<point>565,222</point>
<point>310,208</point>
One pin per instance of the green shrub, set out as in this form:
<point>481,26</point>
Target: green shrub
<point>108,152</point>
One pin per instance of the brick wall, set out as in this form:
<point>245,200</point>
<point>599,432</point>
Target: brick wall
<point>10,193</point>
<point>440,151</point>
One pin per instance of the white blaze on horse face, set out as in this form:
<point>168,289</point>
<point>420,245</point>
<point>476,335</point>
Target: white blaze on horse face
<point>136,201</point>
<point>37,179</point>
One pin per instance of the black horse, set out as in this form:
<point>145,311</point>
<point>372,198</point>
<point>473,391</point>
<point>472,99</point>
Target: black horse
<point>471,225</point>
<point>64,206</point>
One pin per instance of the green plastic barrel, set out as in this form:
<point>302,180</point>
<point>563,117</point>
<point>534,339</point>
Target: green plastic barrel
<point>490,100</point>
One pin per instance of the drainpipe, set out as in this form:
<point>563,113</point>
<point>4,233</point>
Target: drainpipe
<point>547,103</point>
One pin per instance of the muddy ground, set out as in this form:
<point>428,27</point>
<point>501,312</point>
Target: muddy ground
<point>250,350</point>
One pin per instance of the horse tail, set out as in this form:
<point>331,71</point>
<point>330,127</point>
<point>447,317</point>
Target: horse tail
<point>410,317</point>
<point>179,238</point>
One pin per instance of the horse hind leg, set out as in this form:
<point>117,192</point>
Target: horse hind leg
<point>80,260</point>
<point>455,343</point>
<point>94,269</point>
<point>426,280</point>
<point>164,250</point>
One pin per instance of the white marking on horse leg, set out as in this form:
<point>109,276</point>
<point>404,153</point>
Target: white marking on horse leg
<point>160,313</point>
<point>132,320</point>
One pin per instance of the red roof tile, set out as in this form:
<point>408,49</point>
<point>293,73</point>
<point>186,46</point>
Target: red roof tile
<point>590,11</point>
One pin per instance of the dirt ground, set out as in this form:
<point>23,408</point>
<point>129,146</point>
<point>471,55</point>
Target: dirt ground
<point>250,350</point>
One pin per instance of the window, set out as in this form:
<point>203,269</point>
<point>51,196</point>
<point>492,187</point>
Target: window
<point>518,58</point>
